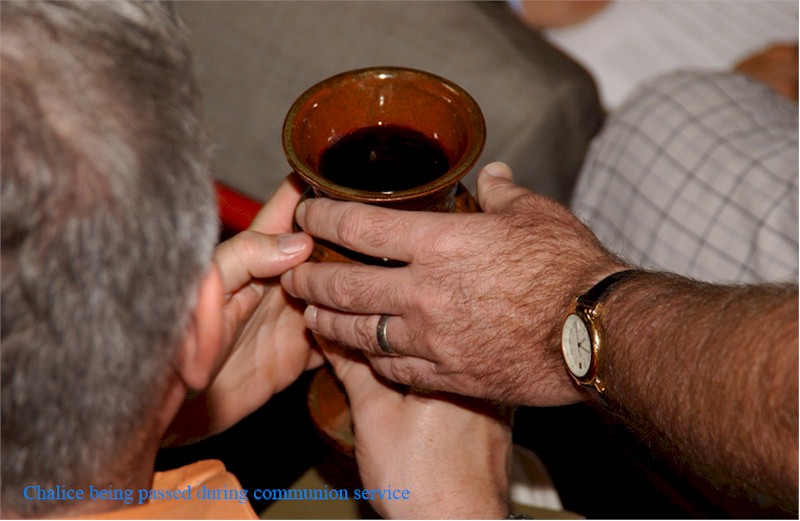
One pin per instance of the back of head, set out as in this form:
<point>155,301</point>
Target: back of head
<point>108,225</point>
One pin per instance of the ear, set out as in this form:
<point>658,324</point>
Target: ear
<point>201,352</point>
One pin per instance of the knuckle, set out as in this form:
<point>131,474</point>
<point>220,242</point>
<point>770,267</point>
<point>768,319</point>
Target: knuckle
<point>316,211</point>
<point>442,242</point>
<point>338,287</point>
<point>363,225</point>
<point>245,244</point>
<point>348,229</point>
<point>441,245</point>
<point>365,335</point>
<point>349,288</point>
<point>460,238</point>
<point>247,251</point>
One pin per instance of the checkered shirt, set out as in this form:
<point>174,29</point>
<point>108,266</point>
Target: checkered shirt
<point>698,174</point>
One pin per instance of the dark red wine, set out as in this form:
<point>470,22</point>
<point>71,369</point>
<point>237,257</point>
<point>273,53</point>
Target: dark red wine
<point>384,158</point>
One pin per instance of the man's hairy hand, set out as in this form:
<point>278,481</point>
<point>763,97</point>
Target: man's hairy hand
<point>478,308</point>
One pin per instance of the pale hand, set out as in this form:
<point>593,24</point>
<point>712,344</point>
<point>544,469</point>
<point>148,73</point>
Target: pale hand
<point>264,332</point>
<point>440,456</point>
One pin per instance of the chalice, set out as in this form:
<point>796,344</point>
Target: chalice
<point>388,136</point>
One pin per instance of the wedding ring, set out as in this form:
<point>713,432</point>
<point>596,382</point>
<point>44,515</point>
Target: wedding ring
<point>381,332</point>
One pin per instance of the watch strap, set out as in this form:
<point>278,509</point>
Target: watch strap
<point>599,291</point>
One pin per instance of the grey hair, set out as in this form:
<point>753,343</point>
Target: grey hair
<point>108,225</point>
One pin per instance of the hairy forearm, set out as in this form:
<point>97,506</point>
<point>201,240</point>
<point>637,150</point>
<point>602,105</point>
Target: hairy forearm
<point>713,370</point>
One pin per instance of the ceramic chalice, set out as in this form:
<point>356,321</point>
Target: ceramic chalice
<point>388,136</point>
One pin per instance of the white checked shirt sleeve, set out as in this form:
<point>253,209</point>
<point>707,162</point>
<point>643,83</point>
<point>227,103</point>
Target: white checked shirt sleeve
<point>698,174</point>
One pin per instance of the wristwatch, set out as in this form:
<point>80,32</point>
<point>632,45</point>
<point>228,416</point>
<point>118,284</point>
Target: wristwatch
<point>582,335</point>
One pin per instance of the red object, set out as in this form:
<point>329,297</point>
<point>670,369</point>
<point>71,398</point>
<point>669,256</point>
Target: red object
<point>236,210</point>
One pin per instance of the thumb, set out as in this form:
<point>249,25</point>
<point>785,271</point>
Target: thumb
<point>250,254</point>
<point>496,188</point>
<point>277,214</point>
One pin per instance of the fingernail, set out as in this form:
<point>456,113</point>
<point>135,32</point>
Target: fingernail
<point>300,212</point>
<point>498,169</point>
<point>310,316</point>
<point>291,243</point>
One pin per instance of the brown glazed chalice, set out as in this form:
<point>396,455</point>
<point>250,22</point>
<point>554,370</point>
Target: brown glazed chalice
<point>388,136</point>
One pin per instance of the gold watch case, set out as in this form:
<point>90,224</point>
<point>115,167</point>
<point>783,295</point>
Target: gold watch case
<point>582,333</point>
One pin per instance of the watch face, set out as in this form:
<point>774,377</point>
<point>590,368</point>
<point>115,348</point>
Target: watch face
<point>576,345</point>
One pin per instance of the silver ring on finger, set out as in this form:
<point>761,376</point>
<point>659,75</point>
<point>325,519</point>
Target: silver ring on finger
<point>383,342</point>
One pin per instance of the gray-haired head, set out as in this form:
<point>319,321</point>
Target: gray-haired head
<point>108,225</point>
